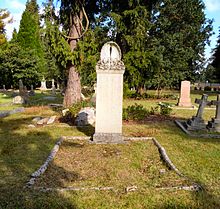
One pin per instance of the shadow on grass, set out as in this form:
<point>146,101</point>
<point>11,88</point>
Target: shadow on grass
<point>88,130</point>
<point>22,152</point>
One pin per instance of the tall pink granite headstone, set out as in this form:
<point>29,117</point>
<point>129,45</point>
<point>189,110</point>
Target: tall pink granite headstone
<point>185,100</point>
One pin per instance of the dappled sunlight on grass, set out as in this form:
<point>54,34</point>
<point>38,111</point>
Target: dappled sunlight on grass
<point>24,149</point>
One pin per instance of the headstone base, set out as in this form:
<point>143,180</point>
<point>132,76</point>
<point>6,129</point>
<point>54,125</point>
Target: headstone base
<point>108,138</point>
<point>196,123</point>
<point>184,102</point>
<point>214,125</point>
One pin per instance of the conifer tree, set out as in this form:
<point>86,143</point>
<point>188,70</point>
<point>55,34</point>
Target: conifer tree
<point>216,61</point>
<point>180,34</point>
<point>28,35</point>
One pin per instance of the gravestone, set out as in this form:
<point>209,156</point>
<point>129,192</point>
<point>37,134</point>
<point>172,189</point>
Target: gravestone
<point>197,122</point>
<point>110,70</point>
<point>53,83</point>
<point>53,88</point>
<point>32,93</point>
<point>4,89</point>
<point>214,124</point>
<point>43,85</point>
<point>21,87</point>
<point>18,100</point>
<point>185,100</point>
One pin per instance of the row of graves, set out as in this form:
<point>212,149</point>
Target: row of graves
<point>196,126</point>
<point>108,119</point>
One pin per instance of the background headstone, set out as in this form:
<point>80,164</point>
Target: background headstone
<point>185,100</point>
<point>21,87</point>
<point>110,70</point>
<point>43,85</point>
<point>4,89</point>
<point>18,100</point>
<point>32,93</point>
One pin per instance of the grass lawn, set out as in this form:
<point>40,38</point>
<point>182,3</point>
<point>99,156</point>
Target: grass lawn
<point>23,150</point>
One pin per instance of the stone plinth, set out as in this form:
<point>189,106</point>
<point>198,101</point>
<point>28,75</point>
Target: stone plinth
<point>214,124</point>
<point>195,123</point>
<point>108,128</point>
<point>185,100</point>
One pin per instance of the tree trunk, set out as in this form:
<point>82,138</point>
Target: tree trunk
<point>73,90</point>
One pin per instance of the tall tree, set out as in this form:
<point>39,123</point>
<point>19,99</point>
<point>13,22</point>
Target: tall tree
<point>216,61</point>
<point>15,66</point>
<point>168,47</point>
<point>74,17</point>
<point>181,32</point>
<point>132,27</point>
<point>29,36</point>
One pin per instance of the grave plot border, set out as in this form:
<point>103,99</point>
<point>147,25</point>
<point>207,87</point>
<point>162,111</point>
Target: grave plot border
<point>6,113</point>
<point>180,124</point>
<point>30,184</point>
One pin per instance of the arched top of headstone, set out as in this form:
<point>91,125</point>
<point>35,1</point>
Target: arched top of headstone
<point>110,52</point>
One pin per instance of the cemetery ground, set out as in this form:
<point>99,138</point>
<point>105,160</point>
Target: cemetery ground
<point>135,171</point>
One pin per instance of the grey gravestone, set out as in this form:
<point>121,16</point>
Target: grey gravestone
<point>53,87</point>
<point>214,124</point>
<point>197,122</point>
<point>32,93</point>
<point>21,87</point>
<point>4,89</point>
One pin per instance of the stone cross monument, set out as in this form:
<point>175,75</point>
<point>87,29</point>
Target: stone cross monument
<point>110,70</point>
<point>185,100</point>
<point>214,124</point>
<point>197,122</point>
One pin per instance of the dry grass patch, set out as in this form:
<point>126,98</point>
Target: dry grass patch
<point>80,164</point>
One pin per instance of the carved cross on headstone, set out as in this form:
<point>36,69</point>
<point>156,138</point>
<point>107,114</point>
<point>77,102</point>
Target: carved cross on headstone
<point>217,104</point>
<point>202,103</point>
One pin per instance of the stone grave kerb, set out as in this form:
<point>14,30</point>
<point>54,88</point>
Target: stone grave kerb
<point>110,70</point>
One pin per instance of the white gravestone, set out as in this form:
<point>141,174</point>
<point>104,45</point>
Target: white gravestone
<point>110,70</point>
<point>43,85</point>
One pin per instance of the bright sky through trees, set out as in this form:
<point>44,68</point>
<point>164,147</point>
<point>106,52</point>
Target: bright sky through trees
<point>16,8</point>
